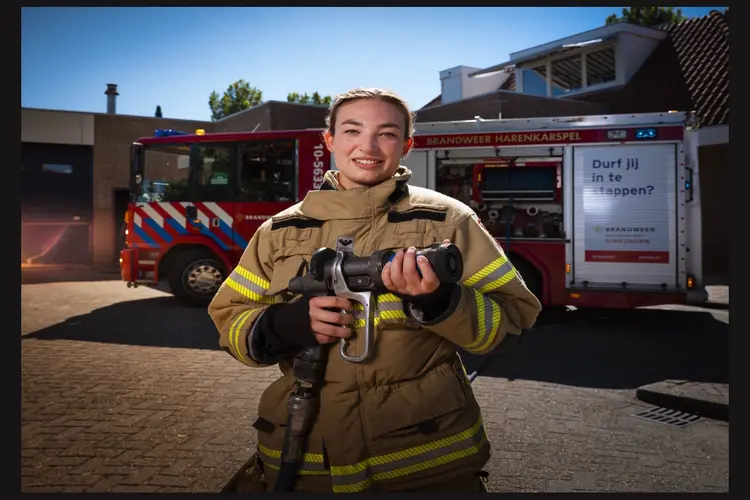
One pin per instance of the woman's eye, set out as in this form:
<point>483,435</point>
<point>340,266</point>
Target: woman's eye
<point>351,131</point>
<point>389,134</point>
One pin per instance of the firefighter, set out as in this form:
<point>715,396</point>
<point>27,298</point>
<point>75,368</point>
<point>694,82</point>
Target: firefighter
<point>406,419</point>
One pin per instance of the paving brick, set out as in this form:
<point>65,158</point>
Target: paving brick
<point>160,480</point>
<point>105,484</point>
<point>179,466</point>
<point>119,417</point>
<point>127,488</point>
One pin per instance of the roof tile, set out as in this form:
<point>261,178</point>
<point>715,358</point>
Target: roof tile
<point>688,71</point>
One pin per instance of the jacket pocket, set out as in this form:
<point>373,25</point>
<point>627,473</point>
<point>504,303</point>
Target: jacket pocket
<point>416,412</point>
<point>288,262</point>
<point>410,228</point>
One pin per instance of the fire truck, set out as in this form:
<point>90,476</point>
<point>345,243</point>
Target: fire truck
<point>594,211</point>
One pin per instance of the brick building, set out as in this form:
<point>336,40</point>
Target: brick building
<point>75,172</point>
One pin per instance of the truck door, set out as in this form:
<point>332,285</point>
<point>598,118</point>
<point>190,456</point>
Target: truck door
<point>267,184</point>
<point>417,162</point>
<point>625,200</point>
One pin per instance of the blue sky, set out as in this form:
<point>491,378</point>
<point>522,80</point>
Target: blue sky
<point>175,57</point>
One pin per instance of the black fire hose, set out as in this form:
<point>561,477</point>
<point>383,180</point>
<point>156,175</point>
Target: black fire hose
<point>309,370</point>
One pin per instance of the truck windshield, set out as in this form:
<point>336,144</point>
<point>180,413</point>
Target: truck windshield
<point>160,172</point>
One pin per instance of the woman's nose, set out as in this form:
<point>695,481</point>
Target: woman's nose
<point>369,144</point>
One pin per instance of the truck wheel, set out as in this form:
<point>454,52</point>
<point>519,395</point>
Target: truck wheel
<point>195,276</point>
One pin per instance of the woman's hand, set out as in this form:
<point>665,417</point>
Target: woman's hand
<point>400,274</point>
<point>329,326</point>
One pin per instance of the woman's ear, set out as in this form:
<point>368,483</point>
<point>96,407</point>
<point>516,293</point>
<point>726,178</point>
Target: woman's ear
<point>328,137</point>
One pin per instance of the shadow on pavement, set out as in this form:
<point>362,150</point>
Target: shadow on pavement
<point>155,322</point>
<point>616,349</point>
<point>35,275</point>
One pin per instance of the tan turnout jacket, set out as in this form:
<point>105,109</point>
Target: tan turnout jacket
<point>408,415</point>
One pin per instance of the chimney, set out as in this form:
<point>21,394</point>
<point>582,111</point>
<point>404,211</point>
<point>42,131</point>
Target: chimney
<point>111,94</point>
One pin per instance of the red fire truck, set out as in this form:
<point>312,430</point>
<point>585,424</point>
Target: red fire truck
<point>594,211</point>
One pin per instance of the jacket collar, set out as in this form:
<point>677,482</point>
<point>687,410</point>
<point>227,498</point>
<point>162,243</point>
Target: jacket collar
<point>333,202</point>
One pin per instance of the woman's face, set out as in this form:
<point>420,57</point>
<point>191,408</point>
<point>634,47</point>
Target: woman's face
<point>369,142</point>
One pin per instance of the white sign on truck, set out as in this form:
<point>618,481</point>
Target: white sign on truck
<point>625,208</point>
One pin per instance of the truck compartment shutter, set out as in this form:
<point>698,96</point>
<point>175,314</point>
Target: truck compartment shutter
<point>416,161</point>
<point>625,223</point>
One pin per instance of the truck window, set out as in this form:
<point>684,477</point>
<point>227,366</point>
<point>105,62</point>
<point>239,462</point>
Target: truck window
<point>164,173</point>
<point>213,164</point>
<point>268,170</point>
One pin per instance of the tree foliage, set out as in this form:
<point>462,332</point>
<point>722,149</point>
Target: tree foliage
<point>237,97</point>
<point>647,16</point>
<point>158,112</point>
<point>307,99</point>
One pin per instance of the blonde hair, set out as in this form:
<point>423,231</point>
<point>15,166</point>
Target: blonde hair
<point>362,93</point>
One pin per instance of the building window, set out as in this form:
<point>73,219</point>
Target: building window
<point>571,73</point>
<point>57,168</point>
<point>566,75</point>
<point>600,67</point>
<point>535,81</point>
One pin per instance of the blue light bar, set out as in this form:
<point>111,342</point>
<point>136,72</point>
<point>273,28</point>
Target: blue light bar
<point>160,132</point>
<point>645,133</point>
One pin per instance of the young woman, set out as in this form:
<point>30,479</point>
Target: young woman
<point>406,419</point>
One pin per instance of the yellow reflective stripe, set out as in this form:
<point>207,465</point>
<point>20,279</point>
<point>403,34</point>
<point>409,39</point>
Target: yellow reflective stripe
<point>388,307</point>
<point>312,462</point>
<point>234,333</point>
<point>489,315</point>
<point>253,278</point>
<point>276,454</point>
<point>250,285</point>
<point>302,471</point>
<point>358,477</point>
<point>498,273</point>
<point>499,282</point>
<point>489,318</point>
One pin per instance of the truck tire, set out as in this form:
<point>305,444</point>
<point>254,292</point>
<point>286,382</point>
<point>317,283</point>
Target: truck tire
<point>195,276</point>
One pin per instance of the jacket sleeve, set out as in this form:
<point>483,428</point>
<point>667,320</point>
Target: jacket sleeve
<point>243,298</point>
<point>492,300</point>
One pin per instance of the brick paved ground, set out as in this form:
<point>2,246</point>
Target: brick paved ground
<point>131,395</point>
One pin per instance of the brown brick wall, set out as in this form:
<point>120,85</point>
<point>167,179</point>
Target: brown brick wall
<point>714,182</point>
<point>512,105</point>
<point>286,116</point>
<point>274,116</point>
<point>113,135</point>
<point>246,121</point>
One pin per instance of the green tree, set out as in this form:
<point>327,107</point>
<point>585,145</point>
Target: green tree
<point>158,112</point>
<point>647,16</point>
<point>238,96</point>
<point>306,99</point>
